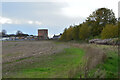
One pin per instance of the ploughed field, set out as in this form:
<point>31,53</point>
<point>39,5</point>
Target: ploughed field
<point>38,59</point>
<point>51,59</point>
<point>18,50</point>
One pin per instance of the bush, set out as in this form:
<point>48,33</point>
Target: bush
<point>110,31</point>
<point>84,32</point>
<point>69,33</point>
<point>63,37</point>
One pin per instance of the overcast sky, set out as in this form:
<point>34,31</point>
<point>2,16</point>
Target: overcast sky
<point>54,15</point>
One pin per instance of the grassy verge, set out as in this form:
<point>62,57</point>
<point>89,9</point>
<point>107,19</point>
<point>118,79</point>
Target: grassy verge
<point>50,66</point>
<point>106,66</point>
<point>108,69</point>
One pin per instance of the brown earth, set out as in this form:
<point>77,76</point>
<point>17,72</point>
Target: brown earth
<point>12,51</point>
<point>21,53</point>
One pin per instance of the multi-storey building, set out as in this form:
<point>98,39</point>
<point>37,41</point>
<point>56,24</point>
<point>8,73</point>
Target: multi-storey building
<point>42,34</point>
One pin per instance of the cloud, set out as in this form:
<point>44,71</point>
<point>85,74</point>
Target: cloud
<point>78,8</point>
<point>30,22</point>
<point>33,0</point>
<point>55,16</point>
<point>38,23</point>
<point>35,22</point>
<point>75,12</point>
<point>4,20</point>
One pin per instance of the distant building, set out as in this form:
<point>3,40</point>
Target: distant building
<point>42,34</point>
<point>57,36</point>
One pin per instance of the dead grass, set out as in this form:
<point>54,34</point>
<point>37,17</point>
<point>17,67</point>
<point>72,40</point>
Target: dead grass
<point>92,58</point>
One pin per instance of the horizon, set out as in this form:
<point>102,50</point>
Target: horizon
<point>28,17</point>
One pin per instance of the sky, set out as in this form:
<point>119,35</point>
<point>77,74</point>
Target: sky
<point>54,15</point>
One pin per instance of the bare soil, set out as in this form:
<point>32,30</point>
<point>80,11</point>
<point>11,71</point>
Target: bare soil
<point>16,54</point>
<point>21,52</point>
<point>12,51</point>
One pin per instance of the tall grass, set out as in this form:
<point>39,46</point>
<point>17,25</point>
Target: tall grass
<point>92,58</point>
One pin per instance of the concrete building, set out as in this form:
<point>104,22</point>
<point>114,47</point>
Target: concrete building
<point>42,34</point>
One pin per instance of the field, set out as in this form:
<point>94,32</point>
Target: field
<point>51,59</point>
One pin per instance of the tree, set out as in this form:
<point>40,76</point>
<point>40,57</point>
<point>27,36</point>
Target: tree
<point>99,18</point>
<point>4,32</point>
<point>84,31</point>
<point>110,31</point>
<point>75,33</point>
<point>69,33</point>
<point>119,19</point>
<point>19,33</point>
<point>63,37</point>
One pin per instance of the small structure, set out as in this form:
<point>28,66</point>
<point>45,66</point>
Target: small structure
<point>42,34</point>
<point>57,36</point>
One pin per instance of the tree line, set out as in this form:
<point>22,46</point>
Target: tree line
<point>18,34</point>
<point>100,24</point>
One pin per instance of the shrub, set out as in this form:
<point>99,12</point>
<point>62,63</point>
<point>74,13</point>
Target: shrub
<point>69,34</point>
<point>84,32</point>
<point>110,31</point>
<point>63,37</point>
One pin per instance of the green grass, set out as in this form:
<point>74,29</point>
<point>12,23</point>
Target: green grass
<point>51,66</point>
<point>109,67</point>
